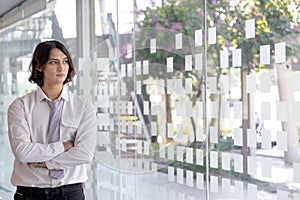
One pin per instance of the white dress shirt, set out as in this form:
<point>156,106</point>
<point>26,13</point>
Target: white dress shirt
<point>28,118</point>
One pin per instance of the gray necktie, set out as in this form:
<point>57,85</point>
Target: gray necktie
<point>54,119</point>
<point>53,132</point>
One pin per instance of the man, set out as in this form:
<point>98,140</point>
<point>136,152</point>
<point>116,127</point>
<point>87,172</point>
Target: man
<point>52,132</point>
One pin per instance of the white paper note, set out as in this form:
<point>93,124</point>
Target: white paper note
<point>214,184</point>
<point>170,130</point>
<point>237,58</point>
<point>213,134</point>
<point>265,83</point>
<point>189,155</point>
<point>212,35</point>
<point>252,191</point>
<point>179,153</point>
<point>282,140</point>
<point>226,187</point>
<point>162,150</point>
<point>225,161</point>
<point>266,167</point>
<point>212,85</point>
<point>198,37</point>
<point>251,164</point>
<point>199,157</point>
<point>171,152</point>
<point>170,64</point>
<point>238,163</point>
<point>189,178</point>
<point>138,67</point>
<point>179,176</point>
<point>199,134</point>
<point>265,54</point>
<point>250,28</point>
<point>251,138</point>
<point>214,159</point>
<point>199,181</point>
<point>266,139</point>
<point>224,58</point>
<point>280,52</point>
<point>188,62</point>
<point>198,61</point>
<point>178,41</point>
<point>153,45</point>
<point>250,83</point>
<point>171,174</point>
<point>145,67</point>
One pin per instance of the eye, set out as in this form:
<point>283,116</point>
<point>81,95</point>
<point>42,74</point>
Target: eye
<point>52,62</point>
<point>65,61</point>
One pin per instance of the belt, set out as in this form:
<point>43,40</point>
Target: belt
<point>47,191</point>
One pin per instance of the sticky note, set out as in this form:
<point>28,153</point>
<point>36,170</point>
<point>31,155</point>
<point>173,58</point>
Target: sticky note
<point>226,187</point>
<point>138,87</point>
<point>138,67</point>
<point>282,195</point>
<point>188,86</point>
<point>129,108</point>
<point>179,131</point>
<point>224,58</point>
<point>250,28</point>
<point>212,85</point>
<point>199,133</point>
<point>251,138</point>
<point>170,64</point>
<point>153,45</point>
<point>178,41</point>
<point>199,157</point>
<point>265,54</point>
<point>250,83</point>
<point>189,178</point>
<point>280,52</point>
<point>265,110</point>
<point>225,161</point>
<point>146,148</point>
<point>179,176</point>
<point>145,67</point>
<point>239,189</point>
<point>214,184</point>
<point>189,155</point>
<point>171,174</point>
<point>199,181</point>
<point>146,107</point>
<point>170,152</point>
<point>212,35</point>
<point>224,84</point>
<point>213,109</point>
<point>238,163</point>
<point>179,153</point>
<point>153,128</point>
<point>188,62</point>
<point>265,83</point>
<point>162,150</point>
<point>252,191</point>
<point>282,140</point>
<point>198,37</point>
<point>214,159</point>
<point>266,139</point>
<point>213,134</point>
<point>123,70</point>
<point>198,61</point>
<point>129,70</point>
<point>199,109</point>
<point>170,130</point>
<point>237,58</point>
<point>129,51</point>
<point>251,164</point>
<point>237,110</point>
<point>266,167</point>
<point>188,109</point>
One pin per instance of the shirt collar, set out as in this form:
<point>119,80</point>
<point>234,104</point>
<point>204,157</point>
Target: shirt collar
<point>41,95</point>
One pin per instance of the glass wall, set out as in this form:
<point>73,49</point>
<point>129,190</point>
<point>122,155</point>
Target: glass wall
<point>195,99</point>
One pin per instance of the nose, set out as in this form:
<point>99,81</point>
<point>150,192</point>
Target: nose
<point>61,65</point>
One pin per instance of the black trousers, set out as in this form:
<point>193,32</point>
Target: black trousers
<point>66,192</point>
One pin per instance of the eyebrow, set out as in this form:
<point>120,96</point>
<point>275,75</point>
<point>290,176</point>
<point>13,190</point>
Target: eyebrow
<point>65,58</point>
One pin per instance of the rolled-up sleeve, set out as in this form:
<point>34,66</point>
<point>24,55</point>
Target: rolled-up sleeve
<point>84,143</point>
<point>24,149</point>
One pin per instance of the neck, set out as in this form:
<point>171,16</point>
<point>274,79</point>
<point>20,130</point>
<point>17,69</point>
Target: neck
<point>52,92</point>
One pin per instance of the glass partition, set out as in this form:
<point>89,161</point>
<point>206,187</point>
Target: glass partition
<point>195,99</point>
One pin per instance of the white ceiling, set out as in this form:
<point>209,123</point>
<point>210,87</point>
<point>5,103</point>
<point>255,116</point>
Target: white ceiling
<point>8,5</point>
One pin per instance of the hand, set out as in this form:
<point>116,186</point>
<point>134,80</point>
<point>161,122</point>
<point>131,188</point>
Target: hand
<point>68,145</point>
<point>37,164</point>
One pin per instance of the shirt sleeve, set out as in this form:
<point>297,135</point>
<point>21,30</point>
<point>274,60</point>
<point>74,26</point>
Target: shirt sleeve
<point>84,144</point>
<point>23,148</point>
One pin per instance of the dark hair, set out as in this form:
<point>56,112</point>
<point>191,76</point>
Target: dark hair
<point>40,58</point>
